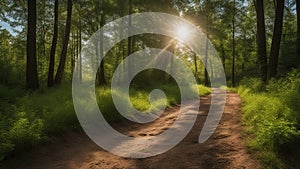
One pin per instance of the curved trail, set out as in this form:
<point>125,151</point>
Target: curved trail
<point>224,149</point>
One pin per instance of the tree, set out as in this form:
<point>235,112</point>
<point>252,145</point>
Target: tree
<point>53,47</point>
<point>206,62</point>
<point>273,62</point>
<point>129,42</point>
<point>101,74</point>
<point>31,64</point>
<point>261,39</point>
<point>233,47</point>
<point>63,55</point>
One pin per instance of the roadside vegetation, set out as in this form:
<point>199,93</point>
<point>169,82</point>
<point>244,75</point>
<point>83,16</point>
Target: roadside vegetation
<point>29,119</point>
<point>272,119</point>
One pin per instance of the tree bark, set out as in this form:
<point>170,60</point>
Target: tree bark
<point>61,66</point>
<point>206,63</point>
<point>223,55</point>
<point>32,81</point>
<point>79,65</point>
<point>206,81</point>
<point>233,47</point>
<point>101,72</point>
<point>53,47</point>
<point>275,46</point>
<point>195,65</point>
<point>129,43</point>
<point>72,53</point>
<point>261,40</point>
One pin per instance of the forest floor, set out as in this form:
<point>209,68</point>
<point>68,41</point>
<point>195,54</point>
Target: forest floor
<point>225,149</point>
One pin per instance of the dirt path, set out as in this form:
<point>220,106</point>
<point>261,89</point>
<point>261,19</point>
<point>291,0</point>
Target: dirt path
<point>225,149</point>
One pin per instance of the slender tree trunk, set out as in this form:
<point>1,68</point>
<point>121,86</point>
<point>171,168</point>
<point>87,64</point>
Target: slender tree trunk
<point>223,55</point>
<point>298,27</point>
<point>43,40</point>
<point>102,80</point>
<point>63,55</point>
<point>79,46</point>
<point>100,54</point>
<point>98,57</point>
<point>32,81</point>
<point>206,57</point>
<point>261,39</point>
<point>122,43</point>
<point>77,52</point>
<point>233,47</point>
<point>273,63</point>
<point>196,65</point>
<point>73,52</point>
<point>129,43</point>
<point>53,47</point>
<point>206,63</point>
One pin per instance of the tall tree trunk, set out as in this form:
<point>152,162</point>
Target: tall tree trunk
<point>63,55</point>
<point>32,81</point>
<point>195,65</point>
<point>73,53</point>
<point>273,63</point>
<point>298,27</point>
<point>53,47</point>
<point>79,46</point>
<point>223,55</point>
<point>233,47</point>
<point>102,80</point>
<point>129,43</point>
<point>261,39</point>
<point>206,63</point>
<point>206,56</point>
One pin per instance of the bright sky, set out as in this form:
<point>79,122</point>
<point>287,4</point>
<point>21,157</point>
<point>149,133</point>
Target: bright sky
<point>7,27</point>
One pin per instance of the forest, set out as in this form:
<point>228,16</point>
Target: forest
<point>44,46</point>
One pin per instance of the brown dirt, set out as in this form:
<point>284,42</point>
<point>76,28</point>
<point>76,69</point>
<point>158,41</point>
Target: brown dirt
<point>224,149</point>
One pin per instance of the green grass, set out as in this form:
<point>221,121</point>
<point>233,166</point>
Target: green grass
<point>271,115</point>
<point>28,119</point>
<point>202,90</point>
<point>139,98</point>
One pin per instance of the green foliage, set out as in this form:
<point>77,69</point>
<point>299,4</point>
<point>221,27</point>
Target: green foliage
<point>272,117</point>
<point>28,119</point>
<point>24,133</point>
<point>139,98</point>
<point>202,90</point>
<point>54,105</point>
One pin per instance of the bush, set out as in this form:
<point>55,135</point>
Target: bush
<point>27,118</point>
<point>24,133</point>
<point>271,115</point>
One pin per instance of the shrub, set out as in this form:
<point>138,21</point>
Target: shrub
<point>271,115</point>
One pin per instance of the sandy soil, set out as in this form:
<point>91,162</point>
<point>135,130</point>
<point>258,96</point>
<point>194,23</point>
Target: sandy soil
<point>225,148</point>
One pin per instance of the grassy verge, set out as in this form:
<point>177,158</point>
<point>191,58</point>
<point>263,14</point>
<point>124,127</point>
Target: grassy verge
<point>29,119</point>
<point>272,117</point>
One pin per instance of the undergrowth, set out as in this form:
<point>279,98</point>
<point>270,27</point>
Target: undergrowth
<point>28,119</point>
<point>271,114</point>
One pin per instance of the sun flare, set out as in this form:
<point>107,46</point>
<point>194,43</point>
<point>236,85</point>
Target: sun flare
<point>183,33</point>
